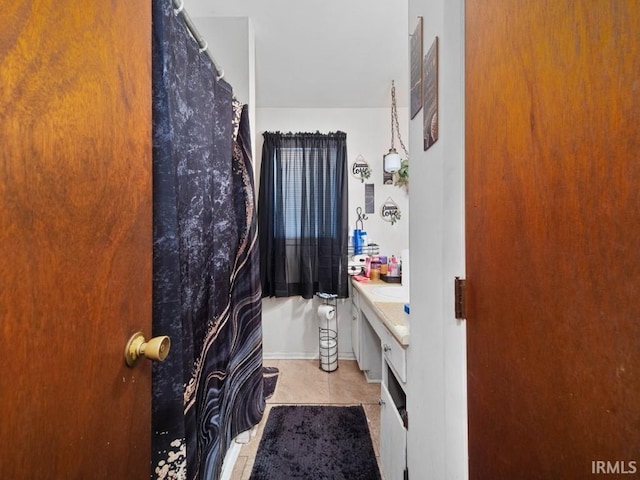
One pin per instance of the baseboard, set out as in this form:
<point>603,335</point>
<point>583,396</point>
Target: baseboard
<point>303,356</point>
<point>371,380</point>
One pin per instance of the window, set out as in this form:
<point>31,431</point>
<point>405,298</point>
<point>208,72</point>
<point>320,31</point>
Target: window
<point>302,214</point>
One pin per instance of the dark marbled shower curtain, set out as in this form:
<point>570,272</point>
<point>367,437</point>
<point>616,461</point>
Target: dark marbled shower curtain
<point>206,268</point>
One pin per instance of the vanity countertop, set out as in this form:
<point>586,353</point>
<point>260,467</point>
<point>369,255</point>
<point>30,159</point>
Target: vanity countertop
<point>389,307</point>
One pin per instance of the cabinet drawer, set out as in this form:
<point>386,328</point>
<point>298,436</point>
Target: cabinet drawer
<point>395,354</point>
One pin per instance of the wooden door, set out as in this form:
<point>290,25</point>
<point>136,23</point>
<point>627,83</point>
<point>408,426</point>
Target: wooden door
<point>553,229</point>
<point>76,238</point>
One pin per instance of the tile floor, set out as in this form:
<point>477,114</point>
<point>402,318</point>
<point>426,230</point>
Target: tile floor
<point>302,382</point>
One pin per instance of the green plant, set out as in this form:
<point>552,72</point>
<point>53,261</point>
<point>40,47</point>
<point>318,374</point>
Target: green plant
<point>364,174</point>
<point>401,177</point>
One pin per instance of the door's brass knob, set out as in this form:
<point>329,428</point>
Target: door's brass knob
<point>156,348</point>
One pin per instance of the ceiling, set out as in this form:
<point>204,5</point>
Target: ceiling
<point>331,53</point>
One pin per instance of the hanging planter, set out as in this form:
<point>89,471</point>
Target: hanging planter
<point>401,177</point>
<point>392,161</point>
<point>390,212</point>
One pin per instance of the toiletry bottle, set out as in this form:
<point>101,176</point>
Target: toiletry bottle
<point>384,266</point>
<point>393,267</point>
<point>375,268</point>
<point>367,267</point>
<point>357,241</point>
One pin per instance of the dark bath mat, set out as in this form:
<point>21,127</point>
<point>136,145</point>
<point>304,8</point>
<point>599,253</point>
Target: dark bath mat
<point>316,443</point>
<point>270,378</point>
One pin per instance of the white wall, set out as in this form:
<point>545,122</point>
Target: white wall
<point>290,325</point>
<point>436,400</point>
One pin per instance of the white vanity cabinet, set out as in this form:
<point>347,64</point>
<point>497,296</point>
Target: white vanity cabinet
<point>379,344</point>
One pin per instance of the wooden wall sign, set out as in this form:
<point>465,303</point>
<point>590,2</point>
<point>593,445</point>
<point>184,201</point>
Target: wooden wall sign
<point>390,212</point>
<point>360,168</point>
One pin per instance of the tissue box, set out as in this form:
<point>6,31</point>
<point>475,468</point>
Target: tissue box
<point>388,279</point>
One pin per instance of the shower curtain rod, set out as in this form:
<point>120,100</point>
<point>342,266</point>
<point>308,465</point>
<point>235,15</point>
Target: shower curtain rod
<point>202,43</point>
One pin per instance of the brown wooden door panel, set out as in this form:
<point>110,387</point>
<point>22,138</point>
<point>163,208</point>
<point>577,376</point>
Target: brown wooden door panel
<point>553,264</point>
<point>75,231</point>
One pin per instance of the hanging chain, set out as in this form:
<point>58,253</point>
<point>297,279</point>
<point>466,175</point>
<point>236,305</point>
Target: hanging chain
<point>393,114</point>
<point>394,120</point>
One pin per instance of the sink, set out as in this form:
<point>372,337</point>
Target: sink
<point>391,293</point>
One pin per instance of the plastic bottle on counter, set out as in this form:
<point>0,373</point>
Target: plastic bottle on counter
<point>367,267</point>
<point>375,269</point>
<point>393,269</point>
<point>357,241</point>
<point>384,266</point>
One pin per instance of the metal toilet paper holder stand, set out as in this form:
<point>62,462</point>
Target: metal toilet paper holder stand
<point>328,333</point>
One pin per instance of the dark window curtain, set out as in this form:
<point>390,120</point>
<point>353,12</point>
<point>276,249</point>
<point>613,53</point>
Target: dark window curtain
<point>302,214</point>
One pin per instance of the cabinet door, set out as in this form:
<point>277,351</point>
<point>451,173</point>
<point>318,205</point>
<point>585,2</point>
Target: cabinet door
<point>370,350</point>
<point>355,333</point>
<point>393,438</point>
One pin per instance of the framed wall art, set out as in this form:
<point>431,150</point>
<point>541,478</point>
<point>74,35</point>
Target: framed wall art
<point>416,69</point>
<point>369,198</point>
<point>430,95</point>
